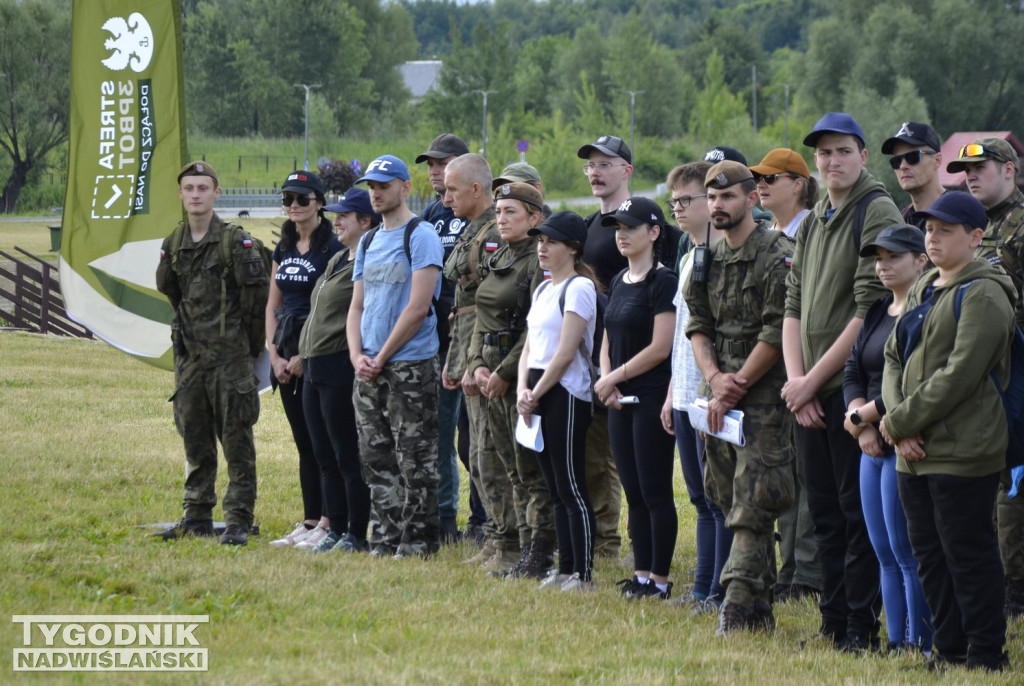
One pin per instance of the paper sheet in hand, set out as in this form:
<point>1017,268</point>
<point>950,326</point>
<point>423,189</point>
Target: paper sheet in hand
<point>732,423</point>
<point>528,433</point>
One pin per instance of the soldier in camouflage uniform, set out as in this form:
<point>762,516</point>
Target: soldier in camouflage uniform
<point>991,165</point>
<point>392,339</point>
<point>503,301</point>
<point>736,330</point>
<point>467,192</point>
<point>216,332</point>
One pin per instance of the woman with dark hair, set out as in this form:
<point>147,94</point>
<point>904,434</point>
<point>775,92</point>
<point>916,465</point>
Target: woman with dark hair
<point>307,243</point>
<point>327,383</point>
<point>555,384</point>
<point>635,372</point>
<point>786,187</point>
<point>900,259</point>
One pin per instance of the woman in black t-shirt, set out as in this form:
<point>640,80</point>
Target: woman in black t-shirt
<point>635,372</point>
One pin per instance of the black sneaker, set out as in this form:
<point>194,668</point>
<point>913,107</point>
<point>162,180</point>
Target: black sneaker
<point>761,617</point>
<point>187,527</point>
<point>990,662</point>
<point>628,588</point>
<point>732,617</point>
<point>859,644</point>
<point>235,534</point>
<point>651,590</point>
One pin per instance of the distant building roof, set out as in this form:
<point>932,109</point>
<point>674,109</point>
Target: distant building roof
<point>421,76</point>
<point>951,149</point>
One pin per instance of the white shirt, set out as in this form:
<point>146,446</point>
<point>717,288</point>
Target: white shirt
<point>544,327</point>
<point>686,375</point>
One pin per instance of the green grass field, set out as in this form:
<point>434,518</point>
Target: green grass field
<point>90,457</point>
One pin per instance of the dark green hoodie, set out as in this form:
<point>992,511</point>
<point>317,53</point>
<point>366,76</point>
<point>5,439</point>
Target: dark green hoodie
<point>943,390</point>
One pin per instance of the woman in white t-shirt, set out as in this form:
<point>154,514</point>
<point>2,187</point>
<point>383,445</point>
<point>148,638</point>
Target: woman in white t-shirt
<point>555,384</point>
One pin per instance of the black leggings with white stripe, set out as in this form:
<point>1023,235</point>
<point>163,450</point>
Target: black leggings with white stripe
<point>564,423</point>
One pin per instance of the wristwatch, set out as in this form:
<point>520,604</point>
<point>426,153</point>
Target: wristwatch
<point>855,418</point>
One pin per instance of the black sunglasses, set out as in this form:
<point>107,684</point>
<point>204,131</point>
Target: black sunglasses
<point>770,179</point>
<point>303,200</point>
<point>913,158</point>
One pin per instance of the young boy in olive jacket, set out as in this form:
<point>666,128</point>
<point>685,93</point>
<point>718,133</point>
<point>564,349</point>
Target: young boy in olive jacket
<point>946,419</point>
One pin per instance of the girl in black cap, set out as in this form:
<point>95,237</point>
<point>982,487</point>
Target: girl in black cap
<point>307,243</point>
<point>635,374</point>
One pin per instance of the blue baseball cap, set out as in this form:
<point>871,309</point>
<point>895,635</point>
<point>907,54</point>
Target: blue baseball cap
<point>834,122</point>
<point>957,207</point>
<point>384,169</point>
<point>355,200</point>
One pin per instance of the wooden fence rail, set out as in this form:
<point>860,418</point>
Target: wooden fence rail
<point>34,302</point>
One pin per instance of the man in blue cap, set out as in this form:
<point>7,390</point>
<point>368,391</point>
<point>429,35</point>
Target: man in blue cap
<point>392,339</point>
<point>829,290</point>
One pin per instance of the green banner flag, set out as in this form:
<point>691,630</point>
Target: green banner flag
<point>127,145</point>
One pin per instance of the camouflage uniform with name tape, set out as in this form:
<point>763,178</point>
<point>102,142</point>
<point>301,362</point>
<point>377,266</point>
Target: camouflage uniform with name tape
<point>743,304</point>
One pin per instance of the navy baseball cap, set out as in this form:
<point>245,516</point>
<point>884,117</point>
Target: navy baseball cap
<point>834,122</point>
<point>635,211</point>
<point>355,200</point>
<point>957,207</point>
<point>896,238</point>
<point>385,168</point>
<point>913,133</point>
<point>562,226</point>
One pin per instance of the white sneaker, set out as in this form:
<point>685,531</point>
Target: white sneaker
<point>575,584</point>
<point>312,538</point>
<point>553,581</point>
<point>298,534</point>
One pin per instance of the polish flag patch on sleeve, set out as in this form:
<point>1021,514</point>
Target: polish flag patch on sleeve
<point>490,247</point>
<point>789,262</point>
<point>246,242</point>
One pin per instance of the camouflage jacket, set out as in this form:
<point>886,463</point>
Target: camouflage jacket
<point>1003,244</point>
<point>742,303</point>
<point>203,332</point>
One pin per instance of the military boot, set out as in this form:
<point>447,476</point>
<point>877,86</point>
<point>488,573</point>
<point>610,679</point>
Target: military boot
<point>732,617</point>
<point>501,561</point>
<point>485,554</point>
<point>536,563</point>
<point>761,617</point>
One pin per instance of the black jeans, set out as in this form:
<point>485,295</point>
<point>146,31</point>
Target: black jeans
<point>850,601</point>
<point>949,519</point>
<point>332,428</point>
<point>309,469</point>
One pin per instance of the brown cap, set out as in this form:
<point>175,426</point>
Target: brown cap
<point>782,160</point>
<point>517,171</point>
<point>520,191</point>
<point>726,173</point>
<point>198,168</point>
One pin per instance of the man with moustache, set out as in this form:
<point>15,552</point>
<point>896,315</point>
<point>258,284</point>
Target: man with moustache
<point>916,159</point>
<point>735,327</point>
<point>829,290</point>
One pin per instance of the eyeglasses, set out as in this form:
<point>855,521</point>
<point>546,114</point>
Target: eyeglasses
<point>770,179</point>
<point>979,150</point>
<point>599,166</point>
<point>303,200</point>
<point>913,158</point>
<point>683,201</point>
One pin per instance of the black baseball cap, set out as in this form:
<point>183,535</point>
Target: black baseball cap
<point>613,146</point>
<point>635,211</point>
<point>444,146</point>
<point>913,133</point>
<point>304,182</point>
<point>720,153</point>
<point>562,226</point>
<point>896,238</point>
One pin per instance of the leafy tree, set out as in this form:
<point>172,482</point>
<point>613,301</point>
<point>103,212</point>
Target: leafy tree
<point>337,175</point>
<point>34,67</point>
<point>715,105</point>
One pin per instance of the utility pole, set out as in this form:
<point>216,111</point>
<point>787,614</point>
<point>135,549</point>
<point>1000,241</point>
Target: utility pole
<point>786,125</point>
<point>484,127</point>
<point>632,128</point>
<point>753,92</point>
<point>308,87</point>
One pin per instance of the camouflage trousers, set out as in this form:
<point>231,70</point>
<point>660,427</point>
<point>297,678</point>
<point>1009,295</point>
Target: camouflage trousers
<point>492,482</point>
<point>753,485</point>
<point>218,403</point>
<point>1010,528</point>
<point>534,510</point>
<point>604,487</point>
<point>396,417</point>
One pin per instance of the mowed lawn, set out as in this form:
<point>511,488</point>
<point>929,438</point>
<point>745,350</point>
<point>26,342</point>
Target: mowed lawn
<point>89,457</point>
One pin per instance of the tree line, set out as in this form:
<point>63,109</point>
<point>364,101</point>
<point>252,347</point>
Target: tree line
<point>752,73</point>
